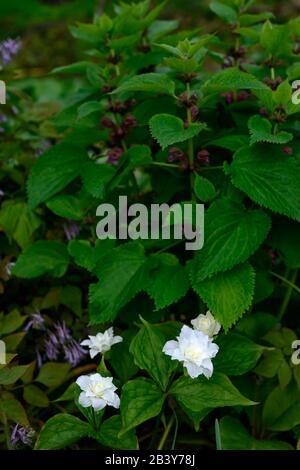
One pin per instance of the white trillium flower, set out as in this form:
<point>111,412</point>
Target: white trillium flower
<point>102,342</point>
<point>195,349</point>
<point>97,391</point>
<point>207,324</point>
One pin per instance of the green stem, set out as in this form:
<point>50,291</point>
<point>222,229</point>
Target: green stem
<point>286,281</point>
<point>190,143</point>
<point>206,168</point>
<point>166,433</point>
<point>166,165</point>
<point>287,297</point>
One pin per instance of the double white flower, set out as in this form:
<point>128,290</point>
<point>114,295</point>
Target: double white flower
<point>207,324</point>
<point>97,391</point>
<point>102,342</point>
<point>195,347</point>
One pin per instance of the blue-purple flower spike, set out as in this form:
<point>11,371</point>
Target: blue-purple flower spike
<point>9,50</point>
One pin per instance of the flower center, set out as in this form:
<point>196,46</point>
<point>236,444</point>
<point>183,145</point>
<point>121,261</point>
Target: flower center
<point>97,389</point>
<point>193,353</point>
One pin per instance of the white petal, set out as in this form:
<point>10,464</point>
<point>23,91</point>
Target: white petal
<point>193,370</point>
<point>93,352</point>
<point>83,381</point>
<point>170,347</point>
<point>84,400</point>
<point>117,339</point>
<point>86,342</point>
<point>98,404</point>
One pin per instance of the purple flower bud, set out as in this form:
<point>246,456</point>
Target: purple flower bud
<point>203,157</point>
<point>114,155</point>
<point>36,321</point>
<point>21,435</point>
<point>9,49</point>
<point>43,146</point>
<point>74,353</point>
<point>71,230</point>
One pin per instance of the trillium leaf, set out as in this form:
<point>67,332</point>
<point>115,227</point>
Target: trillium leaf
<point>237,354</point>
<point>148,82</point>
<point>282,408</point>
<point>141,400</point>
<point>169,130</point>
<point>146,348</point>
<point>268,177</point>
<point>201,393</point>
<point>61,431</point>
<point>232,235</point>
<point>10,375</point>
<point>13,410</point>
<point>35,396</point>
<point>235,437</point>
<point>42,257</point>
<point>261,131</point>
<point>109,435</point>
<point>53,374</point>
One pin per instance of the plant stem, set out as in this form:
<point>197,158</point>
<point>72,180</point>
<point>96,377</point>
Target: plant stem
<point>286,281</point>
<point>166,433</point>
<point>190,143</point>
<point>167,165</point>
<point>287,297</point>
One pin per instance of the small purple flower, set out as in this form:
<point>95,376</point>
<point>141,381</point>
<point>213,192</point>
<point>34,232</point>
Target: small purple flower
<point>39,358</point>
<point>3,118</point>
<point>74,353</point>
<point>62,332</point>
<point>21,435</point>
<point>43,146</point>
<point>36,321</point>
<point>9,49</point>
<point>52,347</point>
<point>71,230</point>
<point>114,155</point>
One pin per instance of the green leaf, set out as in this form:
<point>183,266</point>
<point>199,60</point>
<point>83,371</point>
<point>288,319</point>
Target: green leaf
<point>275,39</point>
<point>224,11</point>
<point>18,222</point>
<point>146,348</point>
<point>201,393</point>
<point>251,19</point>
<point>35,396</point>
<point>282,408</point>
<point>53,374</point>
<point>95,177</point>
<point>120,281</point>
<point>61,431</point>
<point>165,280</point>
<point>232,79</point>
<point>109,435</point>
<point>126,368</point>
<point>42,257</point>
<point>10,375</point>
<point>11,322</point>
<point>148,82</point>
<point>76,67</point>
<point>55,169</point>
<point>261,131</point>
<point>237,354</point>
<point>229,294</point>
<point>204,189</point>
<point>13,410</point>
<point>141,400</point>
<point>232,235</point>
<point>71,297</point>
<point>66,206</point>
<point>89,107</point>
<point>268,177</point>
<point>230,142</point>
<point>168,129</point>
<point>83,254</point>
<point>235,437</point>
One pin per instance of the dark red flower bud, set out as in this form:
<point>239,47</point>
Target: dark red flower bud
<point>194,112</point>
<point>114,155</point>
<point>130,121</point>
<point>203,157</point>
<point>287,150</point>
<point>107,122</point>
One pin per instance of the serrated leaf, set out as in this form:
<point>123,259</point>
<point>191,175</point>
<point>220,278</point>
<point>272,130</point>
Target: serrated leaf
<point>229,294</point>
<point>168,129</point>
<point>148,82</point>
<point>233,79</point>
<point>66,206</point>
<point>268,177</point>
<point>261,131</point>
<point>141,400</point>
<point>232,235</point>
<point>165,280</point>
<point>55,169</point>
<point>42,257</point>
<point>95,177</point>
<point>120,281</point>
<point>18,221</point>
<point>61,431</point>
